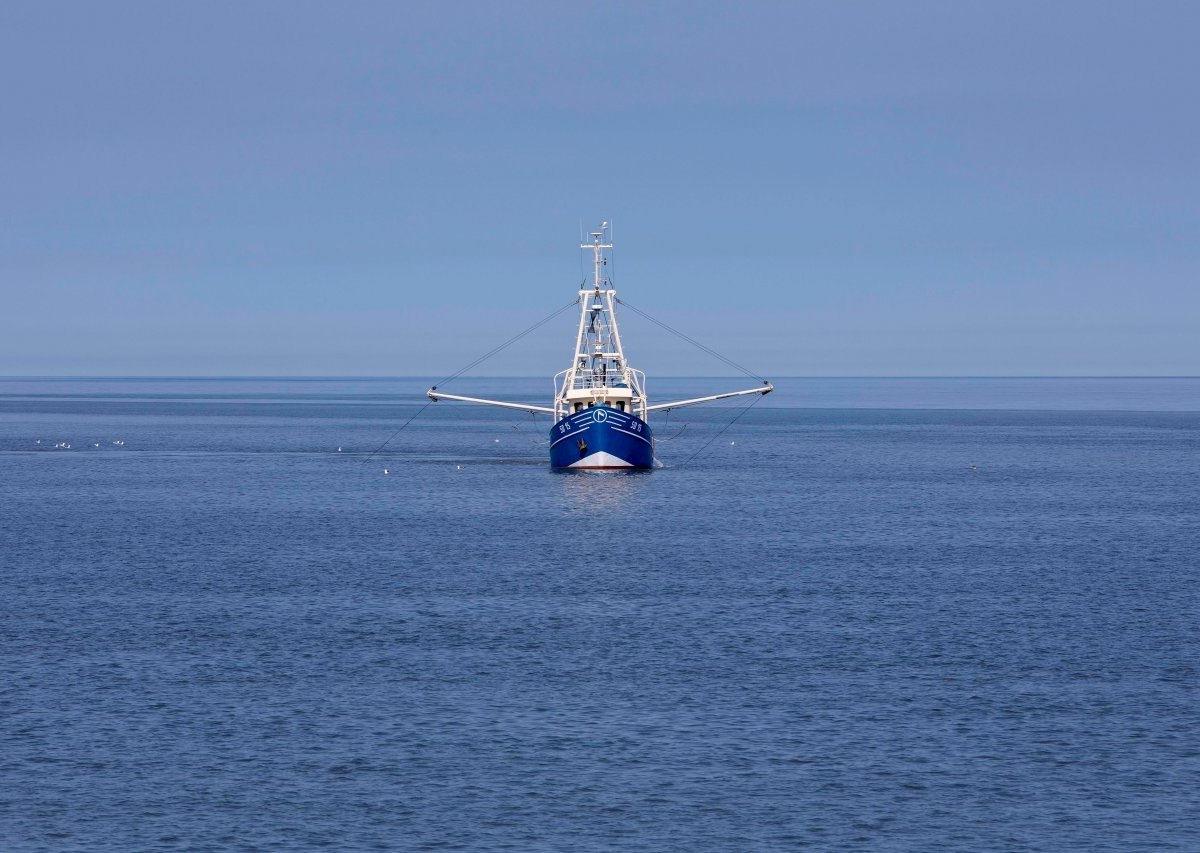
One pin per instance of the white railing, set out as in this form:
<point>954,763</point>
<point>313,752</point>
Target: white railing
<point>585,380</point>
<point>592,380</point>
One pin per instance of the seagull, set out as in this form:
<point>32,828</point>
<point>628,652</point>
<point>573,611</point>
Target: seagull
<point>386,471</point>
<point>339,450</point>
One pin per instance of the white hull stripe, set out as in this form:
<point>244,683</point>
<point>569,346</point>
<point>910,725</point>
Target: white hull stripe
<point>580,431</point>
<point>634,434</point>
<point>586,416</point>
<point>565,437</point>
<point>603,459</point>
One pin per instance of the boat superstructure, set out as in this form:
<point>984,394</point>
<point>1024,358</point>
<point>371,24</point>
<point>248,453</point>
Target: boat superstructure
<point>600,402</point>
<point>599,373</point>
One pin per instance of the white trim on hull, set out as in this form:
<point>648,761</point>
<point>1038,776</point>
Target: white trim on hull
<point>602,459</point>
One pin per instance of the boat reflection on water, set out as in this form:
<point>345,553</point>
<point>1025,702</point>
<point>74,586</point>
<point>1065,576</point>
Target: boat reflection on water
<point>587,491</point>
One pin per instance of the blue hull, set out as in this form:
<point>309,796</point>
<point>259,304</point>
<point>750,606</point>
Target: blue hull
<point>601,439</point>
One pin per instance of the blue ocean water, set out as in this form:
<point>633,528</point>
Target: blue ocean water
<point>871,614</point>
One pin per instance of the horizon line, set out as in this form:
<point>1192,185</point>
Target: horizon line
<point>385,377</point>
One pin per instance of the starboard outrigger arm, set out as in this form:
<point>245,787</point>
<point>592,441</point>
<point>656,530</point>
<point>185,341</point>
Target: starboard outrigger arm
<point>435,395</point>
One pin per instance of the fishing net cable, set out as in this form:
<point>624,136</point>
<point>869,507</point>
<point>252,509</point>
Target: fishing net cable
<point>374,452</point>
<point>721,432</point>
<point>474,363</point>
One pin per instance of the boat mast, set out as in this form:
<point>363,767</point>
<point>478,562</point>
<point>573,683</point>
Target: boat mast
<point>591,301</point>
<point>599,374</point>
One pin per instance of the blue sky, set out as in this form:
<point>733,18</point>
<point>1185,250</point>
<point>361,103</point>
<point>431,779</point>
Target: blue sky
<point>811,188</point>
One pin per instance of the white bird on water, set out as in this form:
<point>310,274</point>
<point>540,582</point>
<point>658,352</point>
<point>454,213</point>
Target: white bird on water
<point>386,471</point>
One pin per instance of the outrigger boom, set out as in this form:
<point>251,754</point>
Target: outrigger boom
<point>765,388</point>
<point>435,395</point>
<point>600,402</point>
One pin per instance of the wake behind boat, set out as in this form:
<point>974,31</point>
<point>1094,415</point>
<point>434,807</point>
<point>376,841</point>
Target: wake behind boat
<point>600,403</point>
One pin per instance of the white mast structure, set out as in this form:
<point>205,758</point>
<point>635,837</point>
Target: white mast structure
<point>599,373</point>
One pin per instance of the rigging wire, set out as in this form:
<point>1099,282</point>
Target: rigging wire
<point>753,403</point>
<point>678,433</point>
<point>667,423</point>
<point>716,355</point>
<point>691,341</point>
<point>612,258</point>
<point>536,438</point>
<point>373,453</point>
<point>508,343</point>
<point>477,361</point>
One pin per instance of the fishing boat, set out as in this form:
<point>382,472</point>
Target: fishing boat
<point>601,407</point>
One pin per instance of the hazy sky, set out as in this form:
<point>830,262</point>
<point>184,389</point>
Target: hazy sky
<point>812,188</point>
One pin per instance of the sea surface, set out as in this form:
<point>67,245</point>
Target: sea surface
<point>877,614</point>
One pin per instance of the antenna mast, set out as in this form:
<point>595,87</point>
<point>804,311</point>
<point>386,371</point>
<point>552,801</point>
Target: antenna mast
<point>598,246</point>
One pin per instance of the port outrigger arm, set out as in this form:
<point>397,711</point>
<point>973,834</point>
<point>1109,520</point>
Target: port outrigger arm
<point>765,388</point>
<point>435,395</point>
